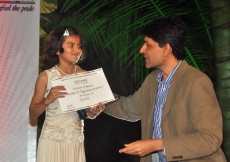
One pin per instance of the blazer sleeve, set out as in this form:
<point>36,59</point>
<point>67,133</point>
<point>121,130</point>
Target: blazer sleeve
<point>130,108</point>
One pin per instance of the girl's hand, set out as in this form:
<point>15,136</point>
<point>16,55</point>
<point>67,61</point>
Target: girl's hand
<point>55,92</point>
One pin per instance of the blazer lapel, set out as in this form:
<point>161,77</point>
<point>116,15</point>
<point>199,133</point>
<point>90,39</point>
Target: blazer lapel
<point>153,98</point>
<point>174,87</point>
<point>147,124</point>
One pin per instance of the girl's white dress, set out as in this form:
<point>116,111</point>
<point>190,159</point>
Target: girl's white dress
<point>62,138</point>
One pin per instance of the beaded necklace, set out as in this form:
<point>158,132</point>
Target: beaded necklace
<point>75,69</point>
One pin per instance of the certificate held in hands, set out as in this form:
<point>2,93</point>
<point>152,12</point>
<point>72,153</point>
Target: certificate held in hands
<point>85,89</point>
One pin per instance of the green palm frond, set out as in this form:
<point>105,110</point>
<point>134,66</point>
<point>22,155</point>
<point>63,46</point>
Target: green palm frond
<point>111,32</point>
<point>48,6</point>
<point>199,43</point>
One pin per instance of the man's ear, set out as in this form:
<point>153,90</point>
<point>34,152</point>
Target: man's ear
<point>167,49</point>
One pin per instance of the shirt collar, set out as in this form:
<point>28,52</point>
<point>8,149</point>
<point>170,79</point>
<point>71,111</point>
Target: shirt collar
<point>169,78</point>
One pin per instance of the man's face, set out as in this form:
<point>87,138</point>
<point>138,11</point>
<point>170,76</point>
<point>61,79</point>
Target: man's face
<point>153,54</point>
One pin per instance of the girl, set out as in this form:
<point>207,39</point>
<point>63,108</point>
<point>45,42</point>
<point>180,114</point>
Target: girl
<point>62,138</point>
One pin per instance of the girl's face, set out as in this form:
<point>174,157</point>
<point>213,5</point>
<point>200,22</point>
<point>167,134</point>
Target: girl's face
<point>72,49</point>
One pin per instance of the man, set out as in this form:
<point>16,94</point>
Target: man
<point>180,116</point>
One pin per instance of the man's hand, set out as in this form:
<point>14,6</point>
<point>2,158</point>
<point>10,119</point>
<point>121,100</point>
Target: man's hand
<point>95,111</point>
<point>143,147</point>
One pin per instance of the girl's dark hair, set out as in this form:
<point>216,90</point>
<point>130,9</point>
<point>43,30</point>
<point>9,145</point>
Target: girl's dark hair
<point>168,30</point>
<point>54,43</point>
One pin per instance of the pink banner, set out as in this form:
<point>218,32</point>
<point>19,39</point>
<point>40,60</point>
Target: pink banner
<point>19,59</point>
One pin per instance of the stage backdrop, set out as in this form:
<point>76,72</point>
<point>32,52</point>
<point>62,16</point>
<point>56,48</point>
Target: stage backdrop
<point>19,58</point>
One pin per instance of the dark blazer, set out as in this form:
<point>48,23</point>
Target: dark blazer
<point>191,122</point>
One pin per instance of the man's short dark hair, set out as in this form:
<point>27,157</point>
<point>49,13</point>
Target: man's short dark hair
<point>168,30</point>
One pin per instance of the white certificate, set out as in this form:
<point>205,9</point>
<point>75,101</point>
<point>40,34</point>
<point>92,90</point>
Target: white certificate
<point>84,90</point>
